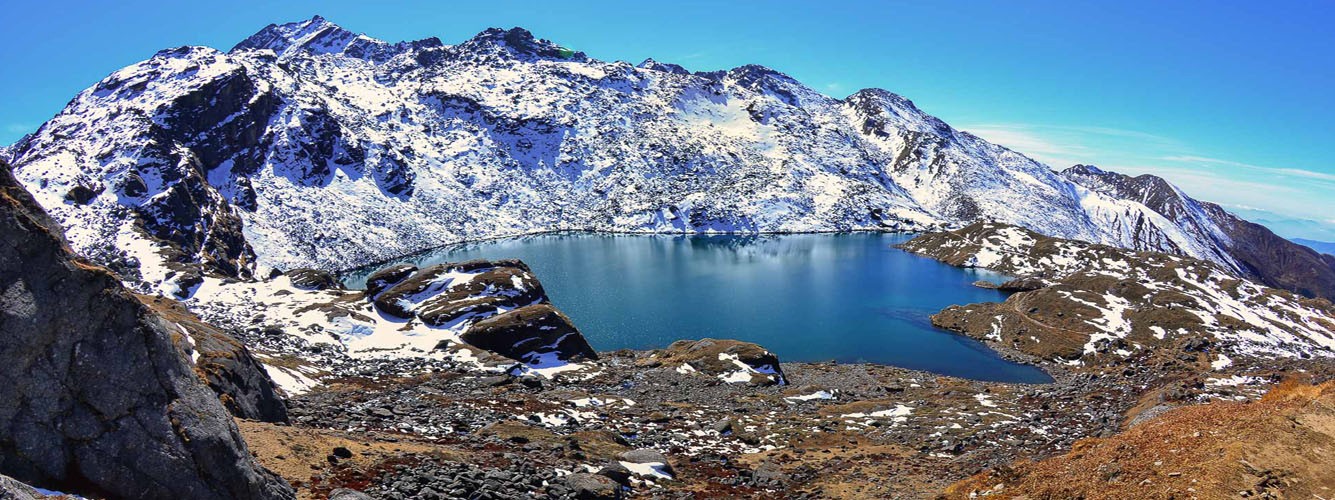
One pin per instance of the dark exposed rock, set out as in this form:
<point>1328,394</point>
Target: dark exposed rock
<point>1022,284</point>
<point>82,194</point>
<point>101,398</point>
<point>530,330</point>
<point>226,365</point>
<point>387,277</point>
<point>314,279</point>
<point>616,472</point>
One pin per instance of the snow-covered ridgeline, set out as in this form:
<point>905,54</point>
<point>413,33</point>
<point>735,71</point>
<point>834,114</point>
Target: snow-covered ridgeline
<point>337,150</point>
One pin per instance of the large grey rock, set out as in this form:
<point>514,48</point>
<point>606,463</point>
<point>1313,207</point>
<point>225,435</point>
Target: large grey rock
<point>97,396</point>
<point>226,365</point>
<point>593,486</point>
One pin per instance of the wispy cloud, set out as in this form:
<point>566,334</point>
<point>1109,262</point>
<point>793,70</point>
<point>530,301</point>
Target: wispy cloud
<point>1289,194</point>
<point>1060,146</point>
<point>1025,139</point>
<point>1294,172</point>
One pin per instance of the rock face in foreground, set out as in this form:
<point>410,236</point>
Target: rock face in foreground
<point>226,365</point>
<point>97,395</point>
<point>1106,301</point>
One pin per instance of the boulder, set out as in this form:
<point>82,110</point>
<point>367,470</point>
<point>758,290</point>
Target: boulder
<point>729,360</point>
<point>647,456</point>
<point>526,333</point>
<point>616,472</point>
<point>593,486</point>
<point>100,397</point>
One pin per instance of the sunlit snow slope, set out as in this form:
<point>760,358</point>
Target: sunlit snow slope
<point>310,146</point>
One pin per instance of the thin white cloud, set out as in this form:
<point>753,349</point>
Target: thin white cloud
<point>1026,140</point>
<point>1289,194</point>
<point>1295,172</point>
<point>19,128</point>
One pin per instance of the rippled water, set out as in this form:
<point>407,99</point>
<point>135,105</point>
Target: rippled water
<point>807,297</point>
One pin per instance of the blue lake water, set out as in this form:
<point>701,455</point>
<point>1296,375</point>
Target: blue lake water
<point>807,297</point>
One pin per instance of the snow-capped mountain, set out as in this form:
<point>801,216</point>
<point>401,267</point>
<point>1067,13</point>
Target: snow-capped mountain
<point>309,146</point>
<point>1243,247</point>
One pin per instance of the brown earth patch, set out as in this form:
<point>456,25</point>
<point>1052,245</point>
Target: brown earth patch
<point>1282,446</point>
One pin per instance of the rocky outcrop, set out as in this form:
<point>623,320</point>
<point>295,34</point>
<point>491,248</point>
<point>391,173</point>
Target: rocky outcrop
<point>99,395</point>
<point>446,293</point>
<point>387,277</point>
<point>14,490</point>
<point>314,279</point>
<point>226,365</point>
<point>1080,300</point>
<point>731,361</point>
<point>528,333</point>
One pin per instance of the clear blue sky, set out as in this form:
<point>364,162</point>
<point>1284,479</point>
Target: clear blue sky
<point>1235,101</point>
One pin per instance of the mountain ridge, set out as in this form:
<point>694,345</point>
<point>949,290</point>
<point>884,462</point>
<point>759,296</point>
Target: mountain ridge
<point>307,145</point>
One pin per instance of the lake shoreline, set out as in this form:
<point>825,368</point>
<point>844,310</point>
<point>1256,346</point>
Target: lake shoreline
<point>849,296</point>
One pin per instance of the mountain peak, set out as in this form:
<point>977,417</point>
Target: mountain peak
<point>317,35</point>
<point>1083,169</point>
<point>518,42</point>
<point>651,64</point>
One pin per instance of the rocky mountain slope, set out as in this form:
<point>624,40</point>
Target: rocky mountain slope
<point>310,146</point>
<point>100,392</point>
<point>1244,248</point>
<point>1079,301</point>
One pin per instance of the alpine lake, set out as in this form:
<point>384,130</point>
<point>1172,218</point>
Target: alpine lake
<point>847,297</point>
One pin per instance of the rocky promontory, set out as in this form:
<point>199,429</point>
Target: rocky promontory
<point>100,393</point>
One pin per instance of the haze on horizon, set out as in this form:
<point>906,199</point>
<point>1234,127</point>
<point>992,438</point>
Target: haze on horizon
<point>1228,101</point>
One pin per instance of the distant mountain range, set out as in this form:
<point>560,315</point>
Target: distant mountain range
<point>307,145</point>
<point>1325,247</point>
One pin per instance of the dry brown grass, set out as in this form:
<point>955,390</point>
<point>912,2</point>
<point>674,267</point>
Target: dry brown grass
<point>300,455</point>
<point>1282,446</point>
